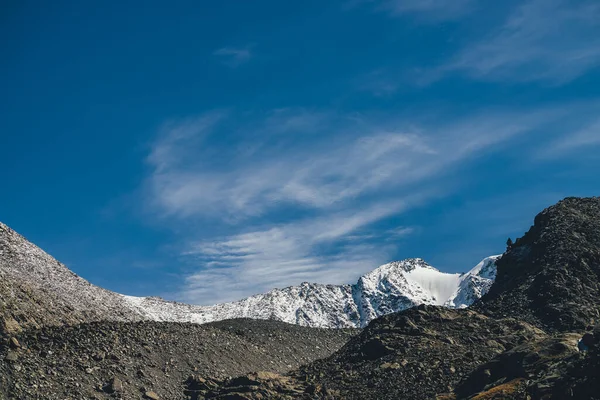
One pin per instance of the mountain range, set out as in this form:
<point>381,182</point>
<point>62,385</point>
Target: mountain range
<point>37,278</point>
<point>62,337</point>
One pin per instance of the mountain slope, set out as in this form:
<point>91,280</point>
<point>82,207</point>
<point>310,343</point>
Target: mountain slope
<point>415,354</point>
<point>551,276</point>
<point>82,361</point>
<point>37,290</point>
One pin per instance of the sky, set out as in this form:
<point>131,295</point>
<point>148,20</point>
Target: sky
<point>207,151</point>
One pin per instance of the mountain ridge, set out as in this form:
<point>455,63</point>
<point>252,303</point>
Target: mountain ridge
<point>550,276</point>
<point>32,278</point>
<point>520,340</point>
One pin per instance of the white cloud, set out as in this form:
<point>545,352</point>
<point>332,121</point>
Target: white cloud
<point>353,161</point>
<point>350,173</point>
<point>549,40</point>
<point>234,56</point>
<point>173,136</point>
<point>283,255</point>
<point>581,139</point>
<point>431,9</point>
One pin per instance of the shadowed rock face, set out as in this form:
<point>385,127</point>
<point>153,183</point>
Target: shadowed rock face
<point>551,276</point>
<point>529,369</point>
<point>414,354</point>
<point>549,368</point>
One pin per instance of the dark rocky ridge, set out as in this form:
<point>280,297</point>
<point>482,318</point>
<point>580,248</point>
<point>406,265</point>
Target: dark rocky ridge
<point>551,276</point>
<point>429,349</point>
<point>82,361</point>
<point>549,368</point>
<point>414,354</point>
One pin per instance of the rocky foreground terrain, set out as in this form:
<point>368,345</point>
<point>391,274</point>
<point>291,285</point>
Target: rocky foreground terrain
<point>128,360</point>
<point>518,342</point>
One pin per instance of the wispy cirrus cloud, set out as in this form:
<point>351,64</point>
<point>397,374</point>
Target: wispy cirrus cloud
<point>430,9</point>
<point>234,56</point>
<point>282,254</point>
<point>303,202</point>
<point>542,40</point>
<point>358,158</point>
<point>585,137</point>
<point>427,10</point>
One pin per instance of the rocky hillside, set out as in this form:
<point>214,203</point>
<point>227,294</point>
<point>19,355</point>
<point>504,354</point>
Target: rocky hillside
<point>547,368</point>
<point>416,354</point>
<point>36,290</point>
<point>551,276</point>
<point>104,360</point>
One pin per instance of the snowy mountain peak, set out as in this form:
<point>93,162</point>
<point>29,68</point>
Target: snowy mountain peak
<point>474,283</point>
<point>406,265</point>
<point>392,287</point>
<point>403,284</point>
<point>486,268</point>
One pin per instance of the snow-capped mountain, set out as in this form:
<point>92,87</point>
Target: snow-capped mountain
<point>32,282</point>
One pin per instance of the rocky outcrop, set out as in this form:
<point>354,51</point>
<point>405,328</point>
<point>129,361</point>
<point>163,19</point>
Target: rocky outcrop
<point>428,349</point>
<point>526,368</point>
<point>550,368</point>
<point>551,276</point>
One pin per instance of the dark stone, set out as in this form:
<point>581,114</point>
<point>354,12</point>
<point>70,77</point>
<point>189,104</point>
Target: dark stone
<point>374,349</point>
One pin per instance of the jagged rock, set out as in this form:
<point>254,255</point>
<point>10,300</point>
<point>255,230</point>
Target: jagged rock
<point>537,369</point>
<point>9,325</point>
<point>115,385</point>
<point>388,365</point>
<point>14,343</point>
<point>551,276</point>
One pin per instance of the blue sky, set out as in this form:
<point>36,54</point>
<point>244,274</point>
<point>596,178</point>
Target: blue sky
<point>206,151</point>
